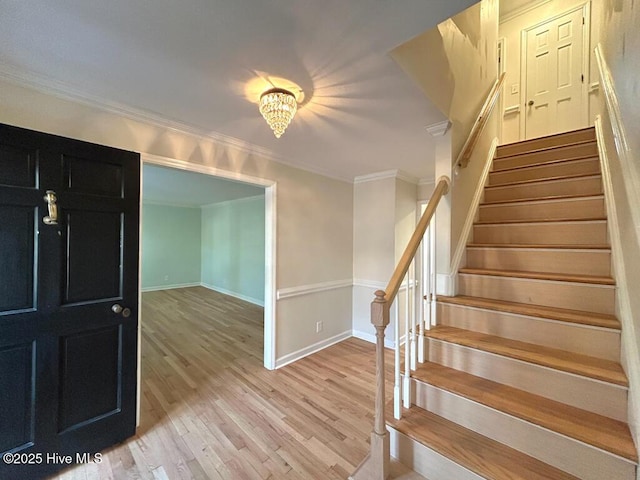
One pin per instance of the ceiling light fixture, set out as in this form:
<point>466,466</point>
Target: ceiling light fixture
<point>278,107</point>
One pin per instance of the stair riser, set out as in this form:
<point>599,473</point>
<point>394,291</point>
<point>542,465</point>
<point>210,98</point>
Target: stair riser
<point>578,262</point>
<point>546,142</point>
<point>592,207</point>
<point>425,461</point>
<point>534,158</point>
<point>574,296</point>
<point>562,452</point>
<point>590,166</point>
<point>581,233</point>
<point>586,340</point>
<point>581,392</point>
<point>573,186</point>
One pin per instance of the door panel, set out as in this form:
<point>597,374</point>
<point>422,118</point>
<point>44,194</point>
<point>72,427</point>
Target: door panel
<point>17,235</point>
<point>85,396</point>
<point>85,176</point>
<point>92,256</point>
<point>17,167</point>
<point>554,93</point>
<point>17,396</point>
<point>67,360</point>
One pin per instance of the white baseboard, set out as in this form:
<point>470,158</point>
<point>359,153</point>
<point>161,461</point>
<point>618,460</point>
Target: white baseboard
<point>255,301</point>
<point>169,287</point>
<point>371,338</point>
<point>316,347</point>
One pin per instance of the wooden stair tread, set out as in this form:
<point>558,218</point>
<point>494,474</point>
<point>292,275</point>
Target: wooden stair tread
<point>601,432</point>
<point>553,135</point>
<point>561,277</point>
<point>540,199</point>
<point>546,163</point>
<point>481,455</point>
<point>596,368</point>
<point>545,149</point>
<point>543,180</point>
<point>545,221</point>
<point>541,246</point>
<point>551,313</point>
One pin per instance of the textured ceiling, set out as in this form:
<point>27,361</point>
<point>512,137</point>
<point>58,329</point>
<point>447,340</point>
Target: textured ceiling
<point>202,63</point>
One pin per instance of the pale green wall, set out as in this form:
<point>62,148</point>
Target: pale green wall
<point>170,246</point>
<point>233,248</point>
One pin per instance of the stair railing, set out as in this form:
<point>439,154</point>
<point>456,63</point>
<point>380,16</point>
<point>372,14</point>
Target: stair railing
<point>481,121</point>
<point>376,465</point>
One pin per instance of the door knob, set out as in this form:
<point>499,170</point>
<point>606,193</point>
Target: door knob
<point>120,310</point>
<point>531,102</point>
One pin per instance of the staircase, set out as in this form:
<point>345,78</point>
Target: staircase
<point>522,378</point>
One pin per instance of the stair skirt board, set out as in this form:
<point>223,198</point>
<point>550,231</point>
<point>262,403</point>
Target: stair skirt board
<point>567,454</point>
<point>578,391</point>
<point>425,461</point>
<point>573,337</point>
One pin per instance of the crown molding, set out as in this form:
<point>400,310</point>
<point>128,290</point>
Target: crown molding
<point>438,129</point>
<point>50,86</point>
<point>397,174</point>
<point>427,181</point>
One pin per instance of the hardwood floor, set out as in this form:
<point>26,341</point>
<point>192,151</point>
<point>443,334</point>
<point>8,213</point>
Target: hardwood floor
<point>211,411</point>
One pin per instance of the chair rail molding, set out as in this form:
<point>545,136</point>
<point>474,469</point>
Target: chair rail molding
<point>289,292</point>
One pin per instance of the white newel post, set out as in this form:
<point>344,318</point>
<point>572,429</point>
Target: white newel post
<point>376,465</point>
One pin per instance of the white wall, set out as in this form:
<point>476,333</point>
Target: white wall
<point>455,64</point>
<point>384,220</point>
<point>618,22</point>
<point>373,247</point>
<point>233,247</point>
<point>314,235</point>
<point>170,246</point>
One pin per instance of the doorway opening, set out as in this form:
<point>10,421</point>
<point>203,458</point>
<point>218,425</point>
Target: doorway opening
<point>236,186</point>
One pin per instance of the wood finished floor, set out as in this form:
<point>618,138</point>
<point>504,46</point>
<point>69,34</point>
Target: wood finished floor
<point>211,411</point>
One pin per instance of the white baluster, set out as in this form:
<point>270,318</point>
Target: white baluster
<point>397,392</point>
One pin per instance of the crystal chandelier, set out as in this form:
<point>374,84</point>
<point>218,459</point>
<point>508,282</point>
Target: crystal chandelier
<point>278,106</point>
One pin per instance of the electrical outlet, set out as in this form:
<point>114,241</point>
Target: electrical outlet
<point>166,277</point>
<point>319,326</point>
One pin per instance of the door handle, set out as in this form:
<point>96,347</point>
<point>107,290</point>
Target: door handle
<point>51,201</point>
<point>531,102</point>
<point>119,309</point>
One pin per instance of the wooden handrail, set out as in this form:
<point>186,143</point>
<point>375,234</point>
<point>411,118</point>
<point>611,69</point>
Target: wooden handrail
<point>376,465</point>
<point>412,247</point>
<point>485,112</point>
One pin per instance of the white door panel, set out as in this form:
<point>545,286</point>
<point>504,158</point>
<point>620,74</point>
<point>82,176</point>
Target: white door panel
<point>554,76</point>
